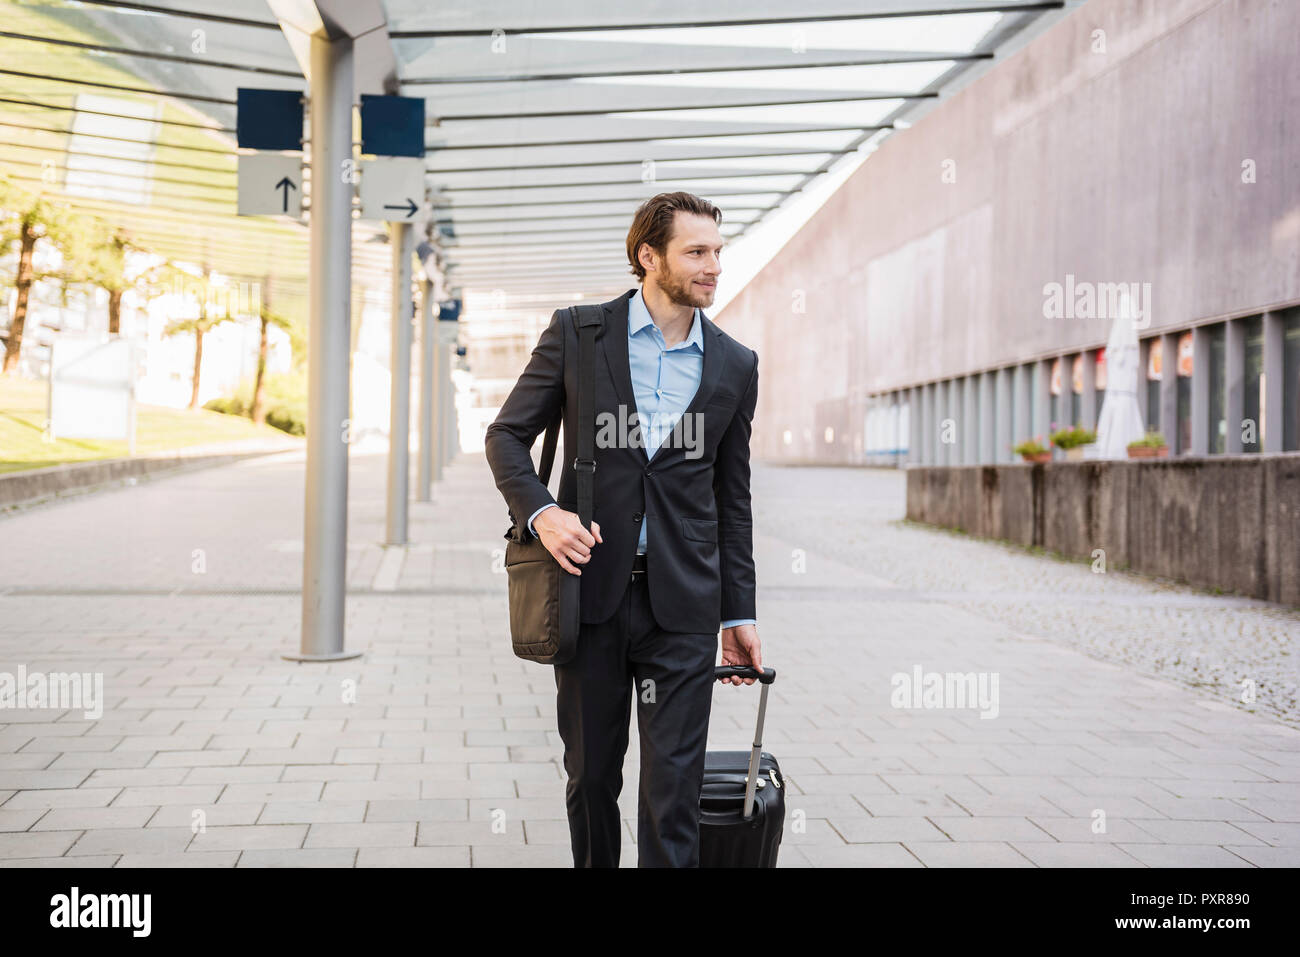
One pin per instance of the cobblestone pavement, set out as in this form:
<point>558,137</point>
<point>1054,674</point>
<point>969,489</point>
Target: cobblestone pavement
<point>438,746</point>
<point>1207,642</point>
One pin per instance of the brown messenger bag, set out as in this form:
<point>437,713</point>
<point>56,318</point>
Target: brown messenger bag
<point>544,598</point>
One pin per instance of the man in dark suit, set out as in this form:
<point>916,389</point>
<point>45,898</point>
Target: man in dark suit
<point>668,559</point>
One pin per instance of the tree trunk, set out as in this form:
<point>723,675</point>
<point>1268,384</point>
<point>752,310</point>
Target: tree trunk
<point>198,366</point>
<point>114,311</point>
<point>258,413</point>
<point>14,345</point>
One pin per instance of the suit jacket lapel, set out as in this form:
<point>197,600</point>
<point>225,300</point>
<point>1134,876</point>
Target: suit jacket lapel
<point>614,341</point>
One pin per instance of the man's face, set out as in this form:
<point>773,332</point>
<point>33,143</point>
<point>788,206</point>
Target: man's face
<point>688,272</point>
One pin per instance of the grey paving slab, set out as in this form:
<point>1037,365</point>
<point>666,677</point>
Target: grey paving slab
<point>448,733</point>
<point>968,854</point>
<point>187,859</point>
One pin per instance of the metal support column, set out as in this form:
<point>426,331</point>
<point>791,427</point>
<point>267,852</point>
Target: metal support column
<point>1088,396</point>
<point>399,393</point>
<point>926,415</point>
<point>1169,391</point>
<point>449,439</point>
<point>325,525</point>
<point>1201,390</point>
<point>970,414</point>
<point>1003,401</point>
<point>1144,355</point>
<point>428,331</point>
<point>988,411</point>
<point>1041,401</point>
<point>1272,414</point>
<point>914,453</point>
<point>1234,393</point>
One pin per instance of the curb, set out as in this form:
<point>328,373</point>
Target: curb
<point>20,490</point>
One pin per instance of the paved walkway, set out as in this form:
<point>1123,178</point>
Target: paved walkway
<point>438,747</point>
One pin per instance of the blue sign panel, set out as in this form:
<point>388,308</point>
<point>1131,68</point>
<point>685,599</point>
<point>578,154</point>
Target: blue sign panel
<point>449,311</point>
<point>269,119</point>
<point>392,125</point>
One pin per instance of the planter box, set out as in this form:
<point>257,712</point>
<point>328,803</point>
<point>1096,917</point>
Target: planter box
<point>1037,457</point>
<point>1147,452</point>
<point>1075,454</point>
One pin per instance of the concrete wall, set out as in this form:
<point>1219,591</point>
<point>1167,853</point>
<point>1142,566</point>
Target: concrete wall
<point>1115,166</point>
<point>1231,522</point>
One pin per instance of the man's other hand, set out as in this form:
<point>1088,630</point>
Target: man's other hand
<point>739,647</point>
<point>565,538</point>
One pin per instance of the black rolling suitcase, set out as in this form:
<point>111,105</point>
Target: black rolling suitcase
<point>742,801</point>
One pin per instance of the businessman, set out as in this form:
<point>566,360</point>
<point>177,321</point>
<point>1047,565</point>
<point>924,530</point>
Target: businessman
<point>668,559</point>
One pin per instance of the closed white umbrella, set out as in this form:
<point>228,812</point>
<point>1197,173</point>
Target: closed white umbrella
<point>1120,421</point>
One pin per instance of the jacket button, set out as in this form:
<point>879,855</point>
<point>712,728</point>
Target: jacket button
<point>637,516</point>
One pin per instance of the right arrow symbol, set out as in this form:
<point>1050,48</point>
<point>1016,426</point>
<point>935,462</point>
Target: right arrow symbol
<point>409,206</point>
<point>286,184</point>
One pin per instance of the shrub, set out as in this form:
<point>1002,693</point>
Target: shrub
<point>227,405</point>
<point>1152,440</point>
<point>289,417</point>
<point>1073,437</point>
<point>1030,447</point>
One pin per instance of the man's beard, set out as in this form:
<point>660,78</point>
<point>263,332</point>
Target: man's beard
<point>680,291</point>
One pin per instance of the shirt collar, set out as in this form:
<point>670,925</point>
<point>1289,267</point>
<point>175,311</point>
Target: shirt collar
<point>638,317</point>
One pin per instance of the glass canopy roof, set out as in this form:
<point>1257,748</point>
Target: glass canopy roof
<point>547,124</point>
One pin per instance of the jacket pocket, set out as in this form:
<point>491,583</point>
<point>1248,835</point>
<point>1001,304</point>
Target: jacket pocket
<point>700,529</point>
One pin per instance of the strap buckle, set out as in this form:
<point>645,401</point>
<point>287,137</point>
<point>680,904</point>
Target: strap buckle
<point>588,465</point>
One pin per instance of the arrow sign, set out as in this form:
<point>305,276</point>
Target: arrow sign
<point>410,205</point>
<point>270,185</point>
<point>392,188</point>
<point>286,184</point>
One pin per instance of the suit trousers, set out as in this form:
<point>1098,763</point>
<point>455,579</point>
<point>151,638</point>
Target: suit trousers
<point>671,676</point>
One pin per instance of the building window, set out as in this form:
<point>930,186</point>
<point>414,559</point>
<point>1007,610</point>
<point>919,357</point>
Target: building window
<point>1184,368</point>
<point>1153,384</point>
<point>1099,380</point>
<point>1055,421</point>
<point>1252,384</point>
<point>1218,424</point>
<point>1076,390</point>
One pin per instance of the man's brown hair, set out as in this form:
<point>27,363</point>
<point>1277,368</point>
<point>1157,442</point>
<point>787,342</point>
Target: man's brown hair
<point>653,223</point>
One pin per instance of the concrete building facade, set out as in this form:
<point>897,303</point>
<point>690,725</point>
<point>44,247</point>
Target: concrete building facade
<point>969,271</point>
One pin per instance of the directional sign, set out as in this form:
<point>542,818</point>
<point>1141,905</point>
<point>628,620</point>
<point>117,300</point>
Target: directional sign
<point>268,119</point>
<point>392,125</point>
<point>270,185</point>
<point>392,188</point>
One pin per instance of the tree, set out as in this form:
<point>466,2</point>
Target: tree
<point>27,220</point>
<point>102,262</point>
<point>268,318</point>
<point>211,314</point>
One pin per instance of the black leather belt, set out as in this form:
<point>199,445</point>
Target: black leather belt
<point>638,565</point>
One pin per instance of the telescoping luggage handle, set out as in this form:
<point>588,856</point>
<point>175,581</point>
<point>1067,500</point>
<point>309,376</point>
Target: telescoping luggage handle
<point>765,677</point>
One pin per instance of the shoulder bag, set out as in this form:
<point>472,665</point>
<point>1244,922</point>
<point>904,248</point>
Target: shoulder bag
<point>544,598</point>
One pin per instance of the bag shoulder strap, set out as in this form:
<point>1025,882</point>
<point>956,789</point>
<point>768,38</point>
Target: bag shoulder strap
<point>588,320</point>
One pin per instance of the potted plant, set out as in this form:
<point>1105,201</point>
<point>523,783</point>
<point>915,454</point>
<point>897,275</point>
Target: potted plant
<point>1150,446</point>
<point>1031,450</point>
<point>1072,440</point>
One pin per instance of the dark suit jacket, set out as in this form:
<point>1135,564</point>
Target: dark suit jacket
<point>699,538</point>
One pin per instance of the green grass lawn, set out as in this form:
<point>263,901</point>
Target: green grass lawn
<point>158,429</point>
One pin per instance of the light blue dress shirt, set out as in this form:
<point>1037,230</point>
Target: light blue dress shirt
<point>664,379</point>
